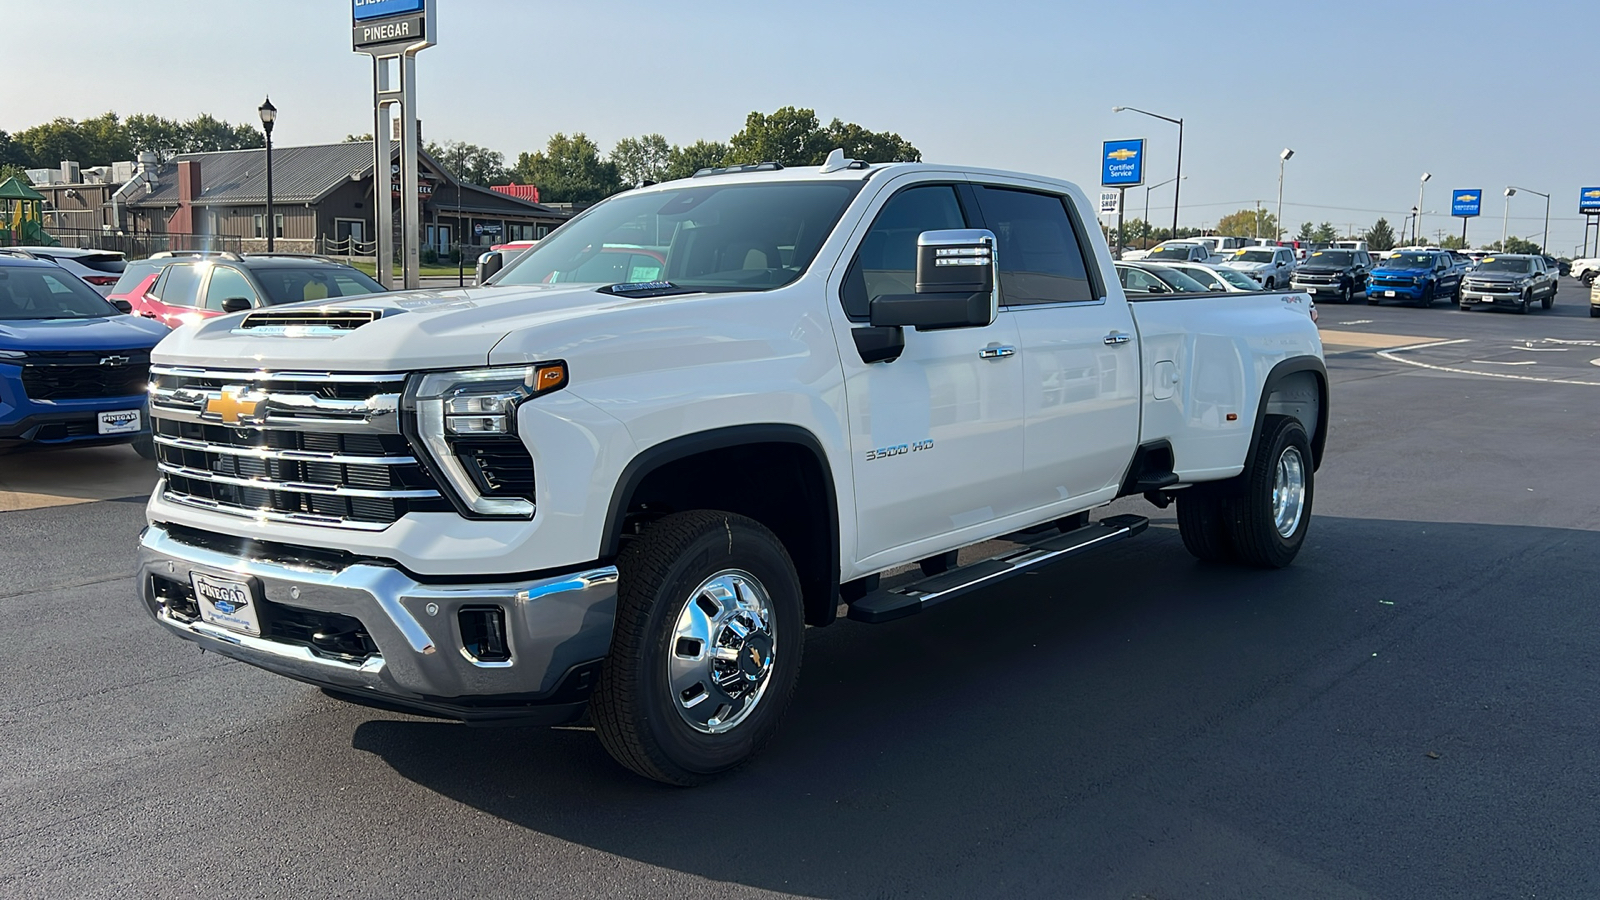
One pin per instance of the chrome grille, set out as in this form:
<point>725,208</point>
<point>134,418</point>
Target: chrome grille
<point>308,447</point>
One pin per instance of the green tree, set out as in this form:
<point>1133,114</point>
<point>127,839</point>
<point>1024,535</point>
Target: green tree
<point>10,170</point>
<point>1307,231</point>
<point>642,159</point>
<point>1248,223</point>
<point>205,133</point>
<point>470,163</point>
<point>871,146</point>
<point>357,138</point>
<point>1380,236</point>
<point>685,161</point>
<point>151,133</point>
<point>1325,233</point>
<point>1514,244</point>
<point>1453,242</point>
<point>789,136</point>
<point>569,170</point>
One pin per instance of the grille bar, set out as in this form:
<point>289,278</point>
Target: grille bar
<point>300,487</point>
<point>294,455</point>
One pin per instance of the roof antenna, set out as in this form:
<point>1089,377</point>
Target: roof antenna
<point>837,162</point>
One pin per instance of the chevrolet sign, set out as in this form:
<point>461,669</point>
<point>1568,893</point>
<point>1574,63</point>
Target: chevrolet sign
<point>367,10</point>
<point>1122,163</point>
<point>1589,201</point>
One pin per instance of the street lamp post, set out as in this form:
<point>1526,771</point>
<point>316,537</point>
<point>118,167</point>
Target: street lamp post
<point>1147,191</point>
<point>1416,226</point>
<point>1544,236</point>
<point>1176,176</point>
<point>1505,216</point>
<point>1282,158</point>
<point>269,115</point>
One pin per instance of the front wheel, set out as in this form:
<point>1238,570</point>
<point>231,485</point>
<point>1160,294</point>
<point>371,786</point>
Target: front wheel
<point>1588,279</point>
<point>706,648</point>
<point>1346,295</point>
<point>1548,301</point>
<point>1270,284</point>
<point>1271,510</point>
<point>1522,308</point>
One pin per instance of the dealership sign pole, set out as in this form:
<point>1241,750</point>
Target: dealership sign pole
<point>1122,167</point>
<point>392,32</point>
<point>1465,205</point>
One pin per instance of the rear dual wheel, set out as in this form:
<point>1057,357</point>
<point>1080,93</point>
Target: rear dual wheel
<point>1259,518</point>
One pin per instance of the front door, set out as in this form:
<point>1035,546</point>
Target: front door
<point>935,435</point>
<point>1079,352</point>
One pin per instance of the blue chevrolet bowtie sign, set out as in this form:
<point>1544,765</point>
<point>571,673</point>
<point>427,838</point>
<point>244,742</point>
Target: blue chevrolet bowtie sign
<point>1466,203</point>
<point>377,9</point>
<point>1122,163</point>
<point>1589,201</point>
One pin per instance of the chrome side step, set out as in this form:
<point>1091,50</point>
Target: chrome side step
<point>908,599</point>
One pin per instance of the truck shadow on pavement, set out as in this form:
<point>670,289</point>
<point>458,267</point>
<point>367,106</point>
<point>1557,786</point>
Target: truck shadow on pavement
<point>1128,723</point>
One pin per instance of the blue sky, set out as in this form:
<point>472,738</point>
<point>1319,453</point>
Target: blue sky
<point>1368,94</point>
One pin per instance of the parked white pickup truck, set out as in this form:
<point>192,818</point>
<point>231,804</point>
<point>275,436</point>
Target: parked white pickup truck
<point>537,497</point>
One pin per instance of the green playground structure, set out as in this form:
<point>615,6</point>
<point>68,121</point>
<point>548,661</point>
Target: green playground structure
<point>22,216</point>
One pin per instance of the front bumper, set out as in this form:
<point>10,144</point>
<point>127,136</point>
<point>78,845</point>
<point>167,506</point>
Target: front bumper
<point>558,627</point>
<point>1378,291</point>
<point>1470,297</point>
<point>1319,289</point>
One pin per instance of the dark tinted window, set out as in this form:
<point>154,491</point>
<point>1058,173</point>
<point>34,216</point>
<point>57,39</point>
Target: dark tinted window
<point>109,263</point>
<point>886,262</point>
<point>1040,258</point>
<point>180,286</point>
<point>39,292</point>
<point>227,283</point>
<point>292,285</point>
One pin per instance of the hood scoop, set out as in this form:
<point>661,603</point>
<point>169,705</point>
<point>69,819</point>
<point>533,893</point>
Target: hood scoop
<point>313,322</point>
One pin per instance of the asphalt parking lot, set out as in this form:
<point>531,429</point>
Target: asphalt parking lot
<point>1406,712</point>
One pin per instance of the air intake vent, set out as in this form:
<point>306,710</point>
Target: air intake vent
<point>295,322</point>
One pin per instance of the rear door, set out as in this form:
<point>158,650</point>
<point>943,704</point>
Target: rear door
<point>177,294</point>
<point>935,435</point>
<point>1080,354</point>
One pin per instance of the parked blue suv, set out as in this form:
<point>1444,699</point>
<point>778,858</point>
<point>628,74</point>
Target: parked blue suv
<point>1418,276</point>
<point>74,369</point>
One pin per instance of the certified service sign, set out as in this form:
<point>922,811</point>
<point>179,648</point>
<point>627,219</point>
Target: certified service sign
<point>400,23</point>
<point>1589,201</point>
<point>1466,203</point>
<point>1122,163</point>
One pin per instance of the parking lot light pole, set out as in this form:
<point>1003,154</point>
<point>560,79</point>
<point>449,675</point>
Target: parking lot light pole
<point>1147,190</point>
<point>1282,158</point>
<point>1416,226</point>
<point>269,115</point>
<point>1544,236</point>
<point>1505,216</point>
<point>1178,175</point>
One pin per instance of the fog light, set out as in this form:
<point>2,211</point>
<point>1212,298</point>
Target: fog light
<point>483,633</point>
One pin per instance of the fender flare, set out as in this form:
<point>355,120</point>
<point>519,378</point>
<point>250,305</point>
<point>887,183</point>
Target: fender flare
<point>1280,372</point>
<point>652,458</point>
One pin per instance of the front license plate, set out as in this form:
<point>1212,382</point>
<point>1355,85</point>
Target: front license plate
<point>226,602</point>
<point>121,421</point>
<point>1388,293</point>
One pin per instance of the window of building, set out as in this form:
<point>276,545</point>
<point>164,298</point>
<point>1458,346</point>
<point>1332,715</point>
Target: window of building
<point>277,225</point>
<point>260,226</point>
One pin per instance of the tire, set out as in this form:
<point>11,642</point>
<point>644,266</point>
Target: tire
<point>145,447</point>
<point>1522,308</point>
<point>1588,279</point>
<point>1267,528</point>
<point>710,574</point>
<point>1203,524</point>
<point>1594,312</point>
<point>1270,284</point>
<point>1427,297</point>
<point>1548,301</point>
<point>1347,295</point>
<point>1455,296</point>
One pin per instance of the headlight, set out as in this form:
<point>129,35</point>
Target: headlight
<point>465,423</point>
<point>13,354</point>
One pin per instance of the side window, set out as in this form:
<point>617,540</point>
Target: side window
<point>227,283</point>
<point>886,261</point>
<point>181,285</point>
<point>1137,281</point>
<point>1041,259</point>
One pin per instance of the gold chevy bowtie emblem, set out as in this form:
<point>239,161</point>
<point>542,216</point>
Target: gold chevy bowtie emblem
<point>755,656</point>
<point>1122,154</point>
<point>234,404</point>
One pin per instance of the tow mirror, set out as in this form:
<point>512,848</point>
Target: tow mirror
<point>123,305</point>
<point>956,284</point>
<point>235,304</point>
<point>1156,289</point>
<point>490,264</point>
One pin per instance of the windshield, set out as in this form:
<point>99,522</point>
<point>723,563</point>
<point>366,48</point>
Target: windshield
<point>1177,280</point>
<point>1173,251</point>
<point>40,292</point>
<point>1331,258</point>
<point>703,237</point>
<point>1238,279</point>
<point>1505,264</point>
<point>135,273</point>
<point>1253,256</point>
<point>292,285</point>
<point>1409,261</point>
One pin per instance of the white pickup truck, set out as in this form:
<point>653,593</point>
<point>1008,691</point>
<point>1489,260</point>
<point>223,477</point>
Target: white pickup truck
<point>538,498</point>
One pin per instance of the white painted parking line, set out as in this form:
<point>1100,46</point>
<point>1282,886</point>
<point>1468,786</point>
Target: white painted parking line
<point>1429,344</point>
<point>1499,362</point>
<point>1455,370</point>
<point>1357,322</point>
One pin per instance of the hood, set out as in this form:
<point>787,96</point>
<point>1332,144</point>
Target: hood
<point>1499,276</point>
<point>1389,272</point>
<point>426,329</point>
<point>103,333</point>
<point>1247,266</point>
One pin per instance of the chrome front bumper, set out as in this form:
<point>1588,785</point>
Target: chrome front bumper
<point>558,628</point>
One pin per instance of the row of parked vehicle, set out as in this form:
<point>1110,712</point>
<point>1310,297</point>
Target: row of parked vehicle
<point>77,327</point>
<point>1419,276</point>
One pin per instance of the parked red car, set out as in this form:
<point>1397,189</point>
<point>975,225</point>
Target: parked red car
<point>189,290</point>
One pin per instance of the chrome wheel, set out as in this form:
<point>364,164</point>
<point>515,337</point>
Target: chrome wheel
<point>1289,492</point>
<point>722,650</point>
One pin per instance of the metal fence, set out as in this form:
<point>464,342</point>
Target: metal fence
<point>137,245</point>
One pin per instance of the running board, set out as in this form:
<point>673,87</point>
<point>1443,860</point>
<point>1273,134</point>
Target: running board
<point>897,603</point>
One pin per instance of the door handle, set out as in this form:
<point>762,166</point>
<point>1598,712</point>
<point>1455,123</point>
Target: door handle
<point>1117,337</point>
<point>997,352</point>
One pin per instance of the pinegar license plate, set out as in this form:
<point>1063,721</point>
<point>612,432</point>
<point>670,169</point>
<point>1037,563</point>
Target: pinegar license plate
<point>226,602</point>
<point>121,421</point>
